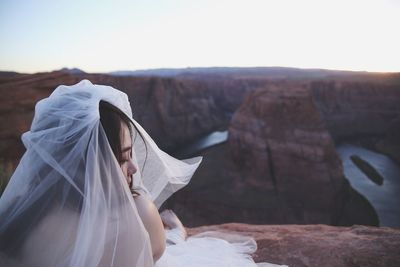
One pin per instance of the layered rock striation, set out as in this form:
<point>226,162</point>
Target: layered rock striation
<point>390,143</point>
<point>279,142</point>
<point>280,164</point>
<point>173,112</point>
<point>19,95</point>
<point>356,109</point>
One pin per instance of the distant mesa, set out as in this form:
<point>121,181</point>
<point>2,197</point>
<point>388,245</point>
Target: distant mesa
<point>8,73</point>
<point>367,169</point>
<point>256,72</point>
<point>72,71</point>
<point>270,72</point>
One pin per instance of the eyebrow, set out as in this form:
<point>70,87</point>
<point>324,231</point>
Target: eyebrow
<point>126,148</point>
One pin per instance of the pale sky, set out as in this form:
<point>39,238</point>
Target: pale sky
<point>103,36</point>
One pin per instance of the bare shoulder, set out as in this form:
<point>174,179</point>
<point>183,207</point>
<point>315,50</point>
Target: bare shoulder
<point>146,208</point>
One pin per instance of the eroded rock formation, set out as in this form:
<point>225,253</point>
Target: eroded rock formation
<point>19,94</point>
<point>279,165</point>
<point>285,168</point>
<point>390,143</point>
<point>279,143</point>
<point>173,112</point>
<point>352,109</point>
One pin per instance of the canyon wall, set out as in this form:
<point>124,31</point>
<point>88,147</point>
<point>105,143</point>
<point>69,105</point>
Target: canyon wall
<point>279,143</point>
<point>279,165</point>
<point>351,109</point>
<point>19,94</point>
<point>173,112</point>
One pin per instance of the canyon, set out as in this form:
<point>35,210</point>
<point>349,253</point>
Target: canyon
<point>279,164</point>
<point>278,177</point>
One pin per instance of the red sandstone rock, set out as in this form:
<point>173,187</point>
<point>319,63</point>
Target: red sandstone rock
<point>355,109</point>
<point>390,144</point>
<point>172,112</point>
<point>175,111</point>
<point>19,94</point>
<point>319,245</point>
<point>285,166</point>
<point>280,143</point>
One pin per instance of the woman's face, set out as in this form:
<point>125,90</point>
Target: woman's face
<point>127,165</point>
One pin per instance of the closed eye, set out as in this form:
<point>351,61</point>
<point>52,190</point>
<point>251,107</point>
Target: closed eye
<point>122,161</point>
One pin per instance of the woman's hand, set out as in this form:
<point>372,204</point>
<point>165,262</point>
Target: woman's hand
<point>170,220</point>
<point>172,223</point>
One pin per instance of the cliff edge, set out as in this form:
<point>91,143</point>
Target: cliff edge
<point>319,245</point>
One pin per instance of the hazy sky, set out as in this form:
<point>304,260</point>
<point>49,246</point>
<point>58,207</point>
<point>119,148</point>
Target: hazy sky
<point>102,36</point>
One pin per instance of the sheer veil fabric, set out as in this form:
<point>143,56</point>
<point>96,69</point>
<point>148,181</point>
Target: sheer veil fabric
<point>68,202</point>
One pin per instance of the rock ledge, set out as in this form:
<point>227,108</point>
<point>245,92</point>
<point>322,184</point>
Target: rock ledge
<point>319,245</point>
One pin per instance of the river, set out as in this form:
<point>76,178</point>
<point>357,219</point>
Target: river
<point>384,198</point>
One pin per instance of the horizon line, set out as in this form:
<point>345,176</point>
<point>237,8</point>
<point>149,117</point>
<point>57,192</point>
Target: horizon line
<point>200,67</point>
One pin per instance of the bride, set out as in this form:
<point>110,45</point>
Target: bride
<point>88,188</point>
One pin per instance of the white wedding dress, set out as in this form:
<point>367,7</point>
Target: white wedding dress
<point>210,249</point>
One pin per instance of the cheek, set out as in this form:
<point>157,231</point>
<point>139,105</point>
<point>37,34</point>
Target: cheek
<point>124,169</point>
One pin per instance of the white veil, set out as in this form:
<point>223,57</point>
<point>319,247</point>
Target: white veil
<point>68,203</point>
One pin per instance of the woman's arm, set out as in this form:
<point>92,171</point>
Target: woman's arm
<point>152,222</point>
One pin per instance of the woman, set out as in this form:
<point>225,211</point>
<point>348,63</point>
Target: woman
<point>87,189</point>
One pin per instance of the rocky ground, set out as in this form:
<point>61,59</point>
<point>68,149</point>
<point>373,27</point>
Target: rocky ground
<point>319,245</point>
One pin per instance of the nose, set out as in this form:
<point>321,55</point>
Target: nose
<point>132,169</point>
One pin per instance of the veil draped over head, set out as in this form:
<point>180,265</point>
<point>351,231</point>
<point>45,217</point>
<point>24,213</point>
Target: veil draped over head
<point>68,202</point>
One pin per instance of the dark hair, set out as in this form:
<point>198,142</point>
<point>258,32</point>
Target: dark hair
<point>111,118</point>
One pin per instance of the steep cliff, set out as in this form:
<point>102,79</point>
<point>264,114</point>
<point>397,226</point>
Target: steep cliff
<point>279,143</point>
<point>279,166</point>
<point>390,143</point>
<point>173,112</point>
<point>351,109</point>
<point>19,94</point>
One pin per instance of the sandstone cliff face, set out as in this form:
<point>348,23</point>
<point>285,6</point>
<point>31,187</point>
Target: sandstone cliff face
<point>354,109</point>
<point>319,245</point>
<point>390,143</point>
<point>284,167</point>
<point>176,111</point>
<point>280,144</point>
<point>279,166</point>
<point>173,112</point>
<point>19,94</point>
